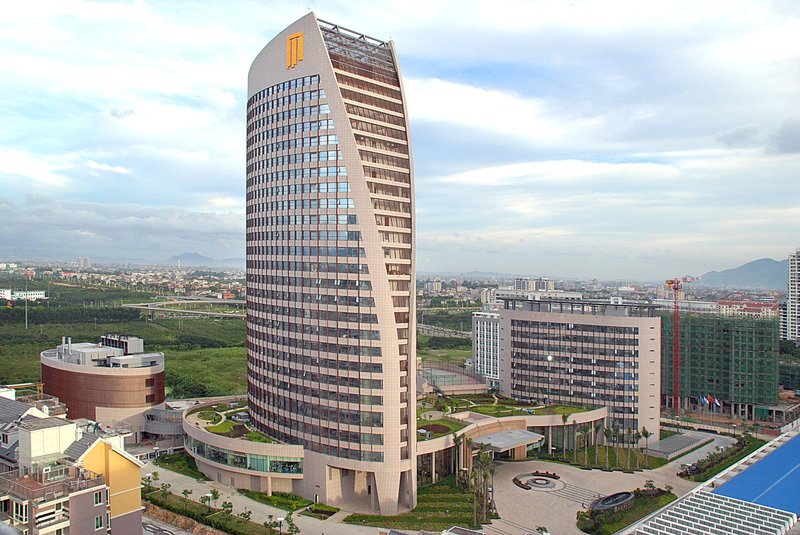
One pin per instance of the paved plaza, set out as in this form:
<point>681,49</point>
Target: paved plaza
<point>521,510</point>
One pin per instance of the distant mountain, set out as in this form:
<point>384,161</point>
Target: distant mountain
<point>198,260</point>
<point>764,273</point>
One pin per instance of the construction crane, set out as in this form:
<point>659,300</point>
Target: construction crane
<point>676,285</point>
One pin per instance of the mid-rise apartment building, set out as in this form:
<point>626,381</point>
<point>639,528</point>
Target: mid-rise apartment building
<point>486,345</point>
<point>330,263</point>
<point>584,353</point>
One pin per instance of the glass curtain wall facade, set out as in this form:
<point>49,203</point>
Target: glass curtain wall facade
<point>330,262</point>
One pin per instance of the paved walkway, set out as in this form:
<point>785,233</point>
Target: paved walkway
<point>307,525</point>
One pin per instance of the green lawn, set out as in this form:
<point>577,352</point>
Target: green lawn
<point>192,367</point>
<point>255,436</point>
<point>451,426</point>
<point>182,463</point>
<point>439,506</point>
<point>281,500</point>
<point>501,410</point>
<point>221,429</point>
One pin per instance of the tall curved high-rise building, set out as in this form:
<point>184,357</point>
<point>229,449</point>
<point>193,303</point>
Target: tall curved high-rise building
<point>330,263</point>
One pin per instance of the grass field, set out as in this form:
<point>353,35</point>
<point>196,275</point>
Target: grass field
<point>192,369</point>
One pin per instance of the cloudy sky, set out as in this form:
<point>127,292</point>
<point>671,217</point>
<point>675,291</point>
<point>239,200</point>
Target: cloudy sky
<point>613,139</point>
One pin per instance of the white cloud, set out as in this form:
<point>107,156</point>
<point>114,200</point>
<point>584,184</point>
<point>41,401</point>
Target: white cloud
<point>97,166</point>
<point>41,171</point>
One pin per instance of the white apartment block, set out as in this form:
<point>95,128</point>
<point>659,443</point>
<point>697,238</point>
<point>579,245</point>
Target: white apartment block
<point>486,345</point>
<point>793,298</point>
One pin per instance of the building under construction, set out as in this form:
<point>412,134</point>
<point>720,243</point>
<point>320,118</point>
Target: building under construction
<point>734,361</point>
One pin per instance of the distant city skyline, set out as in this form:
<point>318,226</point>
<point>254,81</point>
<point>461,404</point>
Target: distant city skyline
<point>616,140</point>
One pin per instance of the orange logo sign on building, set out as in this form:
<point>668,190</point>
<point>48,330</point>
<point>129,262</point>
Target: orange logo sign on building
<point>294,49</point>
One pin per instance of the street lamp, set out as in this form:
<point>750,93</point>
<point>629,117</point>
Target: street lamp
<point>209,496</point>
<point>734,430</point>
<point>279,520</point>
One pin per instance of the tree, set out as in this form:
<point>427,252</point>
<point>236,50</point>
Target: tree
<point>637,437</point>
<point>607,432</point>
<point>575,439</point>
<point>628,434</point>
<point>186,493</point>
<point>165,489</point>
<point>227,508</point>
<point>291,527</point>
<point>457,440</point>
<point>204,499</point>
<point>564,420</point>
<point>615,433</point>
<point>473,486</point>
<point>214,497</point>
<point>646,435</point>
<point>270,523</point>
<point>598,428</point>
<point>154,476</point>
<point>587,428</point>
<point>246,514</point>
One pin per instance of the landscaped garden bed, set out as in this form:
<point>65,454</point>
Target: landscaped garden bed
<point>281,500</point>
<point>609,521</point>
<point>439,507</point>
<point>320,511</point>
<point>182,463</point>
<point>716,462</point>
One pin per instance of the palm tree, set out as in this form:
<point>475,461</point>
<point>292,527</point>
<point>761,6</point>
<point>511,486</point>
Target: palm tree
<point>586,430</point>
<point>615,431</point>
<point>457,440</point>
<point>637,437</point>
<point>607,432</point>
<point>646,435</point>
<point>598,428</point>
<point>575,439</point>
<point>628,434</point>
<point>564,419</point>
<point>473,485</point>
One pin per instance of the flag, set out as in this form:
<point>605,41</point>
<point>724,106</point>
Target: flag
<point>710,399</point>
<point>717,403</point>
<point>703,400</point>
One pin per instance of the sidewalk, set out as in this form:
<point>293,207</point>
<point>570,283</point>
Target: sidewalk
<point>307,525</point>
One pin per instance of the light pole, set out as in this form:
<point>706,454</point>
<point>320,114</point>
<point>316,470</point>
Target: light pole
<point>279,520</point>
<point>209,496</point>
<point>734,430</point>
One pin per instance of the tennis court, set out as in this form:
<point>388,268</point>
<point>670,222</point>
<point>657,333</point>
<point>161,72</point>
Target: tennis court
<point>773,481</point>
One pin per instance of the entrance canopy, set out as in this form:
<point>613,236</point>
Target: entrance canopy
<point>507,440</point>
